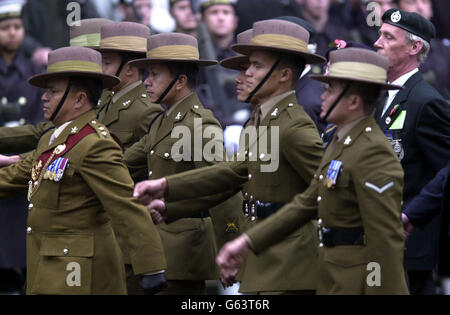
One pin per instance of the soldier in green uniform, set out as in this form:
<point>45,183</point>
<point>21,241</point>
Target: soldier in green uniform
<point>25,138</point>
<point>125,109</point>
<point>77,183</point>
<point>277,54</point>
<point>356,191</point>
<point>189,243</point>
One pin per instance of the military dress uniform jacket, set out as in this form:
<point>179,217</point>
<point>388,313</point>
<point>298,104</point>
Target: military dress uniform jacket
<point>367,194</point>
<point>71,248</point>
<point>419,130</point>
<point>127,118</point>
<point>189,243</point>
<point>291,264</point>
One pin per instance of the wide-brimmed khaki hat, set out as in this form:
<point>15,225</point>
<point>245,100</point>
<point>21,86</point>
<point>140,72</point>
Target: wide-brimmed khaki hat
<point>74,62</point>
<point>235,62</point>
<point>87,34</point>
<point>172,47</point>
<point>124,37</point>
<point>281,37</point>
<point>359,65</point>
<point>11,9</point>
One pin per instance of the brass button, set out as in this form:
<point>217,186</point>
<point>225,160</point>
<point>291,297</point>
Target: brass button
<point>65,251</point>
<point>319,198</point>
<point>249,176</point>
<point>29,230</point>
<point>30,206</point>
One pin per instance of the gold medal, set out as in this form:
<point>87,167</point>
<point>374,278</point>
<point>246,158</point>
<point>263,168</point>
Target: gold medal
<point>330,183</point>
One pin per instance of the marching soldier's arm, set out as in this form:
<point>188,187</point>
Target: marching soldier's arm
<point>14,178</point>
<point>104,171</point>
<point>221,200</point>
<point>285,221</point>
<point>302,147</point>
<point>206,181</point>
<point>190,207</point>
<point>378,186</point>
<point>22,138</point>
<point>136,160</point>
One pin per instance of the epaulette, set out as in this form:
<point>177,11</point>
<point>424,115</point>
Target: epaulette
<point>100,129</point>
<point>292,110</point>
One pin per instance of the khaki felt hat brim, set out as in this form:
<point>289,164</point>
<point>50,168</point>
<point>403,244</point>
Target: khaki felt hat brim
<point>143,63</point>
<point>117,50</point>
<point>234,62</point>
<point>329,78</point>
<point>42,80</point>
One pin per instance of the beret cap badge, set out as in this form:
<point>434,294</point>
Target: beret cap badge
<point>396,17</point>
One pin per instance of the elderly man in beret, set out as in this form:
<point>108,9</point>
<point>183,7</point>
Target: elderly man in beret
<point>77,183</point>
<point>416,120</point>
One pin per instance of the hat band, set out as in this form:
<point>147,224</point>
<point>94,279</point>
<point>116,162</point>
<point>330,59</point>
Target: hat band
<point>209,3</point>
<point>10,15</point>
<point>86,40</point>
<point>74,65</point>
<point>174,52</point>
<point>280,41</point>
<point>133,43</point>
<point>358,70</point>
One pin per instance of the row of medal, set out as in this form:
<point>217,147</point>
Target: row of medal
<point>55,170</point>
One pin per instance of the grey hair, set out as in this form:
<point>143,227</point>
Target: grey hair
<point>423,54</point>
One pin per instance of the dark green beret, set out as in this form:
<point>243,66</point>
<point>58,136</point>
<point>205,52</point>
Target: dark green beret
<point>411,22</point>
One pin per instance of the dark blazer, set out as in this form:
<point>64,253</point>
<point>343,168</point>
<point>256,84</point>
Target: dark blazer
<point>425,142</point>
<point>434,199</point>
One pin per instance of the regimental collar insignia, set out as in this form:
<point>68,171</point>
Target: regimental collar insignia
<point>347,140</point>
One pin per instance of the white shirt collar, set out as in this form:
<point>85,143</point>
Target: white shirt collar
<point>305,72</point>
<point>58,131</point>
<point>401,82</point>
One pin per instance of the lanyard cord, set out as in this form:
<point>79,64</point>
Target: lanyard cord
<point>161,98</point>
<point>61,102</point>
<point>337,101</point>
